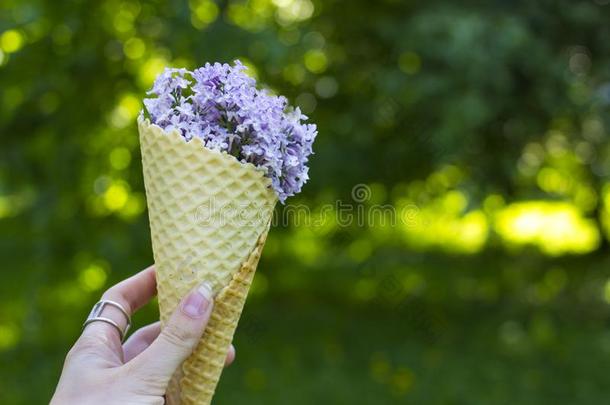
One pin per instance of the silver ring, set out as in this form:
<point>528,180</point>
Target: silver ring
<point>96,312</point>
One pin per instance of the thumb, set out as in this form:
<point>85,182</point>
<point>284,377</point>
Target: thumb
<point>178,338</point>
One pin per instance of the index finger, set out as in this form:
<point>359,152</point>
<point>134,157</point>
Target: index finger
<point>134,292</point>
<point>131,294</point>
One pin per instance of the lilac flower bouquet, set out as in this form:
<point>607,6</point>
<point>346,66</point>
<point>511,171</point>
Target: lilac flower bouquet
<point>221,104</point>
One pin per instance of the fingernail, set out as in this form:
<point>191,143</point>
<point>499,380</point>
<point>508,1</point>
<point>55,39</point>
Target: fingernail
<point>198,301</point>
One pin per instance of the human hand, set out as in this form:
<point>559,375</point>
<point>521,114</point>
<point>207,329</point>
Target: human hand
<point>99,369</point>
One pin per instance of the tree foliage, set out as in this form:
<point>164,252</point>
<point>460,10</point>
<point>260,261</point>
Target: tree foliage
<point>481,126</point>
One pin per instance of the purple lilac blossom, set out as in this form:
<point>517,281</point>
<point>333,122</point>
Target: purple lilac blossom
<point>221,105</point>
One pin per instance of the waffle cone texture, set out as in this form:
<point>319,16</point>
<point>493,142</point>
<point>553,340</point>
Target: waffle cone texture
<point>209,217</point>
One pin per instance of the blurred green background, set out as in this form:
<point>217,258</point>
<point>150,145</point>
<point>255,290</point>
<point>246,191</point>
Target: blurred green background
<point>469,141</point>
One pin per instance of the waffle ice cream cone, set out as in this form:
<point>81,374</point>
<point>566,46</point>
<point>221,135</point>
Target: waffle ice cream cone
<point>209,217</point>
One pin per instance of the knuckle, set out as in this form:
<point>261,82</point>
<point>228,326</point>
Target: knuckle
<point>87,343</point>
<point>115,293</point>
<point>146,384</point>
<point>179,336</point>
<point>109,293</point>
<point>92,343</point>
<point>72,353</point>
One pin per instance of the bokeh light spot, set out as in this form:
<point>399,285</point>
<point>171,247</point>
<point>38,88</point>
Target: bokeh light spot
<point>493,203</point>
<point>11,41</point>
<point>409,62</point>
<point>607,291</point>
<point>380,368</point>
<point>5,207</point>
<point>127,109</point>
<point>365,290</point>
<point>203,13</point>
<point>134,206</point>
<point>474,231</point>
<point>92,278</point>
<point>402,380</point>
<point>149,71</point>
<point>134,48</point>
<point>314,40</point>
<point>120,158</point>
<point>289,36</point>
<point>326,87</point>
<point>9,335</point>
<point>116,196</point>
<point>555,227</point>
<point>306,102</point>
<point>511,333</point>
<point>123,20</point>
<point>252,16</point>
<point>294,74</point>
<point>291,11</point>
<point>315,61</point>
<point>552,181</point>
